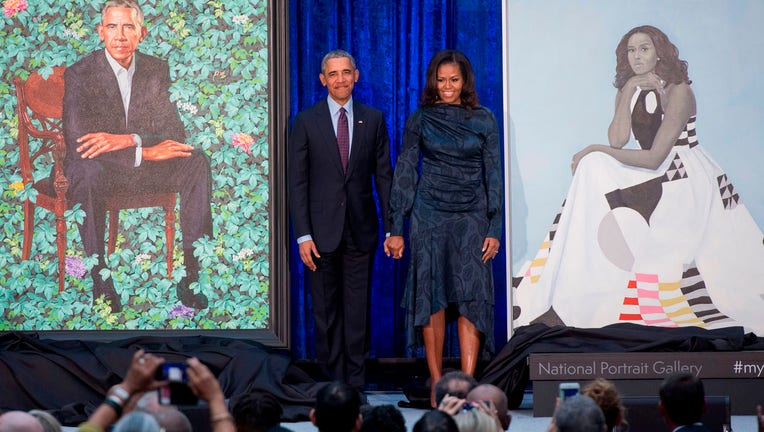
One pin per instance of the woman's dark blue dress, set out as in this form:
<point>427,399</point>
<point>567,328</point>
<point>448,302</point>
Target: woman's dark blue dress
<point>454,205</point>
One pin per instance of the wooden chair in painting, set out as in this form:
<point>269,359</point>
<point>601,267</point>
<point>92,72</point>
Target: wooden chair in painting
<point>41,141</point>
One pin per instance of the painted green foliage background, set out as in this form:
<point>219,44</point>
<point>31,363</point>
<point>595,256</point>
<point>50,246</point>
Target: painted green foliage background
<point>218,56</point>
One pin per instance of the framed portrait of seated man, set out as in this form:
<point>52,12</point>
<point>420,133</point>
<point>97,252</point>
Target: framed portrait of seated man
<point>122,100</point>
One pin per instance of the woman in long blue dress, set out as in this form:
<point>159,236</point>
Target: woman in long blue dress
<point>655,235</point>
<point>455,207</point>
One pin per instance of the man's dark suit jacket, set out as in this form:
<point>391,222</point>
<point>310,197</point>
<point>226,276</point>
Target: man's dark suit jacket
<point>320,193</point>
<point>92,103</point>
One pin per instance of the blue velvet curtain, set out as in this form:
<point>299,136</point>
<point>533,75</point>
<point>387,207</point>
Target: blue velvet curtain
<point>392,43</point>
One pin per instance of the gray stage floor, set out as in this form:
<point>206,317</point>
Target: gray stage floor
<point>522,419</point>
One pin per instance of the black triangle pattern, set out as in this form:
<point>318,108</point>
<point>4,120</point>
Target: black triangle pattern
<point>676,170</point>
<point>727,192</point>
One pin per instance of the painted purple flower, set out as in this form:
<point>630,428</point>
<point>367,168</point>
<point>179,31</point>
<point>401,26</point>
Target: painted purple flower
<point>74,267</point>
<point>181,311</point>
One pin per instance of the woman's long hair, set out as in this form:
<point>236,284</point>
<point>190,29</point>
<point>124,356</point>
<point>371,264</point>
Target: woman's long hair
<point>468,96</point>
<point>669,66</point>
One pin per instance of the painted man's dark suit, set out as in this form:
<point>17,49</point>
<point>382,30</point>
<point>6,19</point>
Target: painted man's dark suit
<point>92,103</point>
<point>338,210</point>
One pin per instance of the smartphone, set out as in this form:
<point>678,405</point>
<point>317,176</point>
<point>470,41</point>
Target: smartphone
<point>177,391</point>
<point>568,389</point>
<point>468,406</point>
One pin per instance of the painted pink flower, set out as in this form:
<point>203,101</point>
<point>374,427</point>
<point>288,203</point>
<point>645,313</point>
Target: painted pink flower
<point>242,141</point>
<point>12,7</point>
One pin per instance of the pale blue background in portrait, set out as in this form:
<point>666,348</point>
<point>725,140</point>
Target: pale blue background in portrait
<point>561,97</point>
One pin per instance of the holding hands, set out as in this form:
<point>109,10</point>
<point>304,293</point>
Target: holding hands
<point>394,246</point>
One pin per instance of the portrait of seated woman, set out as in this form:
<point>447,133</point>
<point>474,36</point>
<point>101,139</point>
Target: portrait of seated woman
<point>655,234</point>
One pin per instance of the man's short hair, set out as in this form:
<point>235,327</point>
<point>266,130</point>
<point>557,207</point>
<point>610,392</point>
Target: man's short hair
<point>497,397</point>
<point>337,407</point>
<point>338,53</point>
<point>579,414</point>
<point>256,411</point>
<point>436,421</point>
<point>19,421</point>
<point>683,398</point>
<point>382,418</point>
<point>137,421</point>
<point>172,419</point>
<point>455,383</point>
<point>130,4</point>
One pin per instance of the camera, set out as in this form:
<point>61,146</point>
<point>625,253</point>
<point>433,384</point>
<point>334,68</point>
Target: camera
<point>176,391</point>
<point>568,389</point>
<point>468,406</point>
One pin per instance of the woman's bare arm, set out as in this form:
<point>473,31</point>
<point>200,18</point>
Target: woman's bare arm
<point>679,106</point>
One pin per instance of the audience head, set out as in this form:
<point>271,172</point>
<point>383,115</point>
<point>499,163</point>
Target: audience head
<point>682,399</point>
<point>382,418</point>
<point>605,394</point>
<point>170,418</point>
<point>337,408</point>
<point>474,420</point>
<point>489,392</point>
<point>256,411</point>
<point>456,383</point>
<point>173,420</point>
<point>19,421</point>
<point>137,421</point>
<point>435,421</point>
<point>579,414</point>
<point>46,419</point>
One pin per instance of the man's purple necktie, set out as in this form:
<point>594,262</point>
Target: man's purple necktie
<point>343,139</point>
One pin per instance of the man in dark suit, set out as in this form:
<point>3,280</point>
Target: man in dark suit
<point>683,402</point>
<point>339,148</point>
<point>123,134</point>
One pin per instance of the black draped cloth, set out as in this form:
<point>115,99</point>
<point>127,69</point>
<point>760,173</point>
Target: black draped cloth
<point>71,377</point>
<point>510,372</point>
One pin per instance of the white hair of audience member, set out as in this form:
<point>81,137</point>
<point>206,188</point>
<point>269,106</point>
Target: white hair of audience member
<point>149,402</point>
<point>46,419</point>
<point>173,420</point>
<point>475,420</point>
<point>137,421</point>
<point>579,414</point>
<point>169,417</point>
<point>19,421</point>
